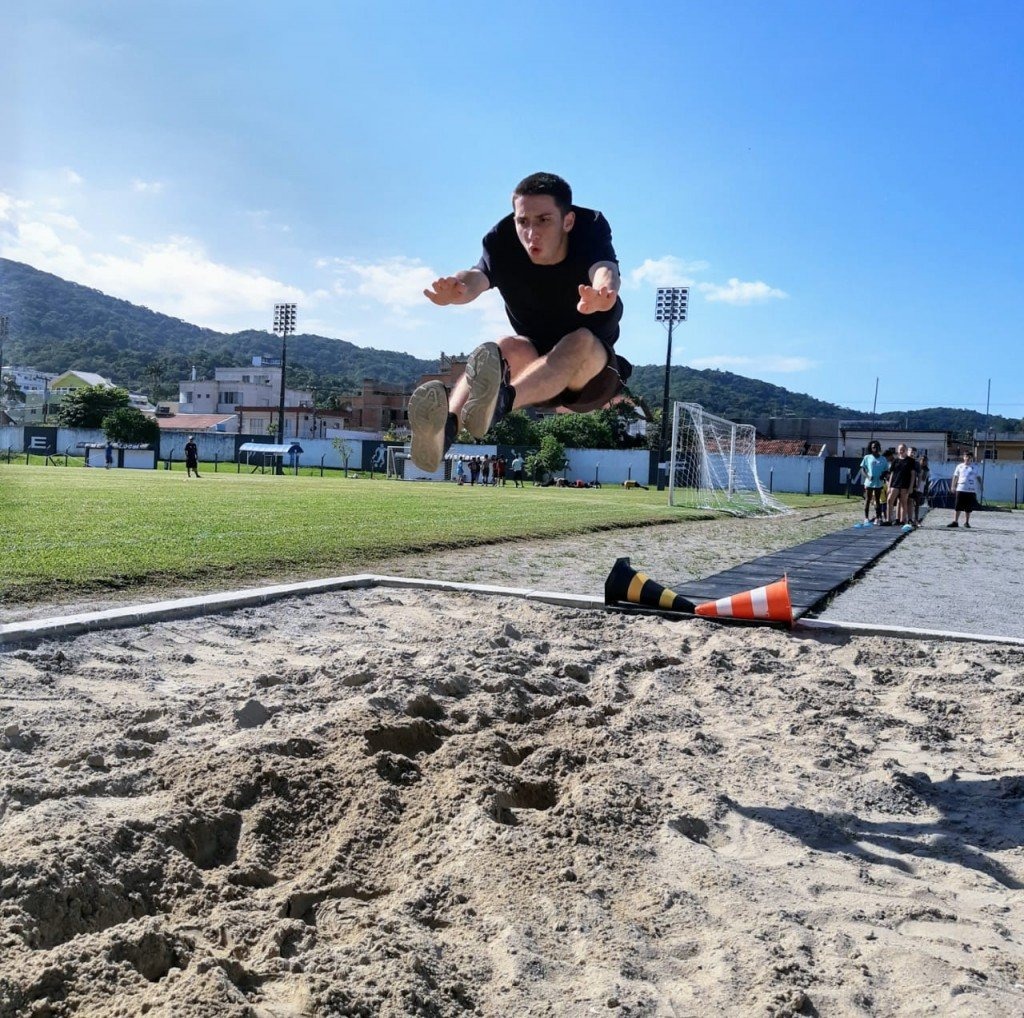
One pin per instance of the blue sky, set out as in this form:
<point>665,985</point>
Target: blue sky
<point>839,183</point>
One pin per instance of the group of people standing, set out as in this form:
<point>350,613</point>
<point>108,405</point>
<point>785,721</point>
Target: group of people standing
<point>895,485</point>
<point>487,470</point>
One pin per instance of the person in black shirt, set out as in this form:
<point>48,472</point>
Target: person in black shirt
<point>902,478</point>
<point>191,457</point>
<point>555,267</point>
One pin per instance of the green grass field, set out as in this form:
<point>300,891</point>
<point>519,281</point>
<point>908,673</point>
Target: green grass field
<point>67,530</point>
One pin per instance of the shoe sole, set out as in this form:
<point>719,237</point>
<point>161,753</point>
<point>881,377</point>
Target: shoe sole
<point>428,415</point>
<point>483,372</point>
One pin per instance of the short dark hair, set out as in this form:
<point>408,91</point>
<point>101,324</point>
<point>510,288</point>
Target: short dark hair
<point>546,183</point>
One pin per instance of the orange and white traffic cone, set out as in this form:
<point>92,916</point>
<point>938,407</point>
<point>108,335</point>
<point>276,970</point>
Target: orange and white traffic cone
<point>768,604</point>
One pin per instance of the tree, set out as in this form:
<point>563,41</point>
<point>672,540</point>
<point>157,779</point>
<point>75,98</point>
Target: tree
<point>547,460</point>
<point>130,426</point>
<point>579,431</point>
<point>9,391</point>
<point>344,451</point>
<point>515,429</point>
<point>88,406</point>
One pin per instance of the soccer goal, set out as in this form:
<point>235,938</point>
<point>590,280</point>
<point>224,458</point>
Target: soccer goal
<point>397,455</point>
<point>713,465</point>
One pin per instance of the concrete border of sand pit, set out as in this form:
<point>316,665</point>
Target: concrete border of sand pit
<point>64,626</point>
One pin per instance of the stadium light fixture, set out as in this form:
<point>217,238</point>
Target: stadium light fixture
<point>670,307</point>
<point>3,339</point>
<point>284,323</point>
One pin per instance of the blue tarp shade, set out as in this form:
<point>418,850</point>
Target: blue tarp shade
<point>273,450</point>
<point>275,453</point>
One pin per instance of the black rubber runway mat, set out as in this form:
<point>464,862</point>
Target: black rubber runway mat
<point>816,569</point>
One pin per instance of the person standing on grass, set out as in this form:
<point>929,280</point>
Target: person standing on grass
<point>966,485</point>
<point>108,455</point>
<point>460,471</point>
<point>872,467</point>
<point>556,270</point>
<point>191,457</point>
<point>517,471</point>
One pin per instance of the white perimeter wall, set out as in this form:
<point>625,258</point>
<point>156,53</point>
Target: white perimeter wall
<point>791,473</point>
<point>611,466</point>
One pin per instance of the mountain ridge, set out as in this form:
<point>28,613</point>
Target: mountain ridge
<point>57,325</point>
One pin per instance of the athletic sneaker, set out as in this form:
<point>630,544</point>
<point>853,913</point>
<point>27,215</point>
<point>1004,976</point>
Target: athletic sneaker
<point>433,427</point>
<point>953,524</point>
<point>490,394</point>
<point>967,525</point>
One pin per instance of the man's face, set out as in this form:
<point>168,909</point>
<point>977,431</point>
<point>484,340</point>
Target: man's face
<point>542,229</point>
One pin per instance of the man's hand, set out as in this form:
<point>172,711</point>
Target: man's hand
<point>449,290</point>
<point>592,299</point>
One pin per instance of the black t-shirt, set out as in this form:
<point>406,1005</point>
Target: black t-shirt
<point>540,300</point>
<point>902,473</point>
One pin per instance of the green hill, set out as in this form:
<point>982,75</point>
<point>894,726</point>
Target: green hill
<point>56,325</point>
<point>732,396</point>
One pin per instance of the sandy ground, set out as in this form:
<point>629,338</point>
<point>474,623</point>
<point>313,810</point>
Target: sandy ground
<point>391,802</point>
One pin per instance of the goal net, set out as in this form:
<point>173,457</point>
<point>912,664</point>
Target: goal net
<point>397,455</point>
<point>713,465</point>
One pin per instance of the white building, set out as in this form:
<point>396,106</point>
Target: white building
<point>256,386</point>
<point>28,380</point>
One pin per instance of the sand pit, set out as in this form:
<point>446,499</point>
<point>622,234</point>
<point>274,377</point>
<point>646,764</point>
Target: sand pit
<point>390,802</point>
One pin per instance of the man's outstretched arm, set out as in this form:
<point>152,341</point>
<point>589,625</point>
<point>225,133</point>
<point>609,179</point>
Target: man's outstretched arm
<point>462,288</point>
<point>603,289</point>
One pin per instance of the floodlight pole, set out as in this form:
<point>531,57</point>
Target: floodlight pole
<point>670,307</point>
<point>3,338</point>
<point>284,322</point>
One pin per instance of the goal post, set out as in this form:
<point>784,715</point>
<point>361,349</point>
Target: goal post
<point>713,465</point>
<point>397,456</point>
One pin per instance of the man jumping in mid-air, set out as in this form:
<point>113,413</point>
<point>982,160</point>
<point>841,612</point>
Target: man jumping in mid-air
<point>554,265</point>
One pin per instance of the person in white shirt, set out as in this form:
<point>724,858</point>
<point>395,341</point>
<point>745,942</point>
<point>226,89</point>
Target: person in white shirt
<point>966,484</point>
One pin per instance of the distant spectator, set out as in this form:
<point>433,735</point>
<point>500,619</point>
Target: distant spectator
<point>872,468</point>
<point>902,475</point>
<point>517,471</point>
<point>108,454</point>
<point>460,471</point>
<point>499,471</point>
<point>191,457</point>
<point>921,488</point>
<point>966,485</point>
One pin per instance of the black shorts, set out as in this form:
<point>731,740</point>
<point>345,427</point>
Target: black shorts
<point>966,502</point>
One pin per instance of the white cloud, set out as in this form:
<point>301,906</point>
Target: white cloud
<point>71,177</point>
<point>175,276</point>
<point>147,186</point>
<point>666,271</point>
<point>386,298</point>
<point>738,292</point>
<point>396,283</point>
<point>61,220</point>
<point>747,365</point>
